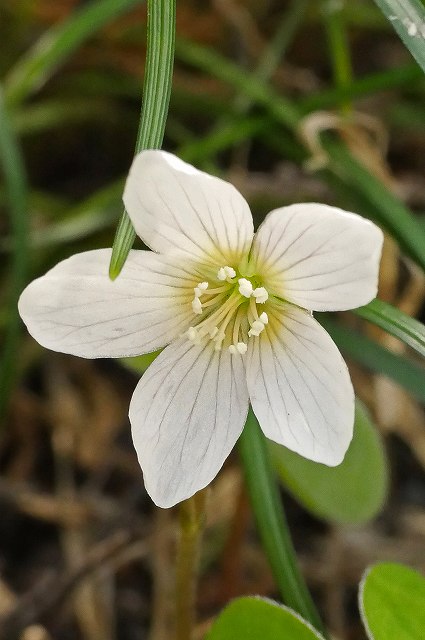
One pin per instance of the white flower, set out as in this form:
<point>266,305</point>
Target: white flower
<point>232,308</point>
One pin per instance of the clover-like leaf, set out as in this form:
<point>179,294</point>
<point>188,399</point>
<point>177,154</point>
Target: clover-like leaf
<point>352,492</point>
<point>256,618</point>
<point>392,603</point>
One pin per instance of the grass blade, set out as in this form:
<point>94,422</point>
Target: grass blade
<point>395,322</point>
<point>156,99</point>
<point>408,19</point>
<point>405,372</point>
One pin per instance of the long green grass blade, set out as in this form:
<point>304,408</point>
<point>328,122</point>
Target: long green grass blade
<point>395,322</point>
<point>408,19</point>
<point>156,99</point>
<point>404,371</point>
<point>271,522</point>
<point>15,180</point>
<point>40,62</point>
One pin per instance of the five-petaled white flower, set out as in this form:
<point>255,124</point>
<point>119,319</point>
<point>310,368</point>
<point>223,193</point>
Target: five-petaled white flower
<point>234,309</point>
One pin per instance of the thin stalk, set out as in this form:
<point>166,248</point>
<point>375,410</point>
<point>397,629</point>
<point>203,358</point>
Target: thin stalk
<point>191,520</point>
<point>161,26</point>
<point>272,523</point>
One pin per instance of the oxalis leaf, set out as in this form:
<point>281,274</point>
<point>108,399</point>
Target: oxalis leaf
<point>392,603</point>
<point>350,493</point>
<point>260,619</point>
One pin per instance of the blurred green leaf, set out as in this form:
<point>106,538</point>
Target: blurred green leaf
<point>368,84</point>
<point>260,619</point>
<point>13,169</point>
<point>408,19</point>
<point>407,373</point>
<point>385,207</point>
<point>392,603</point>
<point>57,44</point>
<point>352,492</point>
<point>139,364</point>
<point>395,322</point>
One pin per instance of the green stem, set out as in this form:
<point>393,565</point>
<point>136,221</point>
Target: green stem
<point>161,28</point>
<point>192,513</point>
<point>272,523</point>
<point>14,173</point>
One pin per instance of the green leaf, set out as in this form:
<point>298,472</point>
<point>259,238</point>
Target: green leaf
<point>260,619</point>
<point>408,19</point>
<point>397,323</point>
<point>352,492</point>
<point>57,44</point>
<point>392,603</point>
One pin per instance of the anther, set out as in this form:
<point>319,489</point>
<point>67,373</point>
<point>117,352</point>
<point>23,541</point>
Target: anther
<point>192,334</point>
<point>199,290</point>
<point>245,287</point>
<point>260,294</point>
<point>256,328</point>
<point>242,348</point>
<point>264,318</point>
<point>196,306</point>
<point>226,273</point>
<point>221,274</point>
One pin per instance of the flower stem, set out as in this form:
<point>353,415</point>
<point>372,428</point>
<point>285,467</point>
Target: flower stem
<point>272,523</point>
<point>161,28</point>
<point>191,521</point>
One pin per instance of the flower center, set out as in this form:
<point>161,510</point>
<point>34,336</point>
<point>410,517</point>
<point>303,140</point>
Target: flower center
<point>228,311</point>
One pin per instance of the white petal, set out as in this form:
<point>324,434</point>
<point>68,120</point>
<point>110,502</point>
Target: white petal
<point>319,257</point>
<point>75,308</point>
<point>299,387</point>
<point>186,414</point>
<point>175,207</point>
